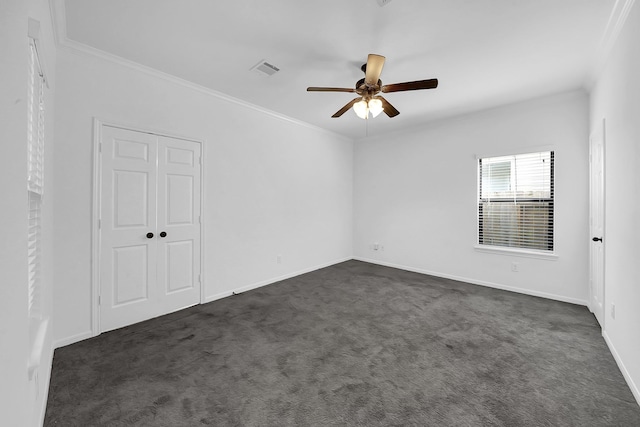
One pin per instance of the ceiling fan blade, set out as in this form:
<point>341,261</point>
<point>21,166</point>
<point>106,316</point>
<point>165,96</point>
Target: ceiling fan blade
<point>330,89</point>
<point>346,107</point>
<point>374,68</point>
<point>417,85</point>
<point>388,109</point>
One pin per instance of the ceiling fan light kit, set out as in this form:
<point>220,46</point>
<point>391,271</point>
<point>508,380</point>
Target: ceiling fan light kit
<point>362,108</point>
<point>368,89</point>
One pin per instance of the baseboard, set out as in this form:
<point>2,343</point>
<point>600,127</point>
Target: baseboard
<point>45,388</point>
<point>270,281</point>
<point>62,342</point>
<point>625,373</point>
<point>477,282</point>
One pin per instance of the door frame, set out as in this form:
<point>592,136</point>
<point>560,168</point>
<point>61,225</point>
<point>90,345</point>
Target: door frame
<point>98,125</point>
<point>599,131</point>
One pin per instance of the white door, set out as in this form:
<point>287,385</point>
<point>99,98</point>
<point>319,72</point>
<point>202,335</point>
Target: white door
<point>149,226</point>
<point>179,223</point>
<point>596,214</point>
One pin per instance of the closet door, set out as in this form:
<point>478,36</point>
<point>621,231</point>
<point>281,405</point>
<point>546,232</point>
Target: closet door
<point>178,223</point>
<point>128,248</point>
<point>149,226</point>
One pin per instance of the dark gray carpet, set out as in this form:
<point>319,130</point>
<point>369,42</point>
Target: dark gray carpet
<point>354,344</point>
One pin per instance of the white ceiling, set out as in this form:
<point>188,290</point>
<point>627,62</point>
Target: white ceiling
<point>484,52</point>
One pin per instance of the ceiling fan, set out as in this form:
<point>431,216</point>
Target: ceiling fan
<point>368,89</point>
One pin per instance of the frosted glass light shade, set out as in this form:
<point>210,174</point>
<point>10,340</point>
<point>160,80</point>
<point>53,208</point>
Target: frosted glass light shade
<point>361,109</point>
<point>375,106</point>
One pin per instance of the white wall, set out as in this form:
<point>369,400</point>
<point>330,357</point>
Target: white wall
<point>22,401</point>
<point>416,192</point>
<point>14,322</point>
<point>616,98</point>
<point>272,186</point>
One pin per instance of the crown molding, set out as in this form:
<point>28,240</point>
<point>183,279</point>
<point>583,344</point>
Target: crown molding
<point>614,27</point>
<point>58,15</point>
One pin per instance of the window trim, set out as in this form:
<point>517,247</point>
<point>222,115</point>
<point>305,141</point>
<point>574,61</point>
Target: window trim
<point>526,253</point>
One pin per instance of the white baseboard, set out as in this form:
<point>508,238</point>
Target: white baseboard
<point>477,282</point>
<point>625,373</point>
<point>48,362</point>
<point>72,339</point>
<point>270,281</point>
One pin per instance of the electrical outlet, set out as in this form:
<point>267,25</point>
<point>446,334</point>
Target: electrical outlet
<point>376,246</point>
<point>515,267</point>
<point>279,259</point>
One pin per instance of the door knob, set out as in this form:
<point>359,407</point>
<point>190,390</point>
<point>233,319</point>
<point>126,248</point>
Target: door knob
<point>149,235</point>
<point>163,234</point>
<point>597,239</point>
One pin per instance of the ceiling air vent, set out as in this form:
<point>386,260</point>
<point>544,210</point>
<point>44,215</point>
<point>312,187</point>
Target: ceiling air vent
<point>264,68</point>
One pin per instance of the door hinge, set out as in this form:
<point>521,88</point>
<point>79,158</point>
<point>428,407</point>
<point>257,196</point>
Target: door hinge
<point>99,224</point>
<point>200,278</point>
<point>100,147</point>
<point>99,300</point>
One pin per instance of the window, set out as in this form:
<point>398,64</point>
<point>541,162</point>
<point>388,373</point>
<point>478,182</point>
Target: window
<point>515,201</point>
<point>38,318</point>
<point>35,178</point>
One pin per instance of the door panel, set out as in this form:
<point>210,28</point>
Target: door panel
<point>179,265</point>
<point>149,184</point>
<point>129,199</point>
<point>180,199</point>
<point>130,278</point>
<point>131,149</point>
<point>596,214</point>
<point>177,156</point>
<point>127,256</point>
<point>179,216</point>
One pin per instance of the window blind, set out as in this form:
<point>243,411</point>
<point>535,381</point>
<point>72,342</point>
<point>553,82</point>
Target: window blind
<point>516,201</point>
<point>35,132</point>
<point>35,178</point>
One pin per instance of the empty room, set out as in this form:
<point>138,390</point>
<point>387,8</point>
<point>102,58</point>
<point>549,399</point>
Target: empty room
<point>296,213</point>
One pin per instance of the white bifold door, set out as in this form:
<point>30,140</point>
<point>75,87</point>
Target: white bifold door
<point>149,226</point>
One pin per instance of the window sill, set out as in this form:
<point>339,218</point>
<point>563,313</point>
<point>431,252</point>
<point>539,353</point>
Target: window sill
<point>498,250</point>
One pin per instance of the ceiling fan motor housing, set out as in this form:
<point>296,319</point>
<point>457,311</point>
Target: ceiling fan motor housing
<point>364,90</point>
